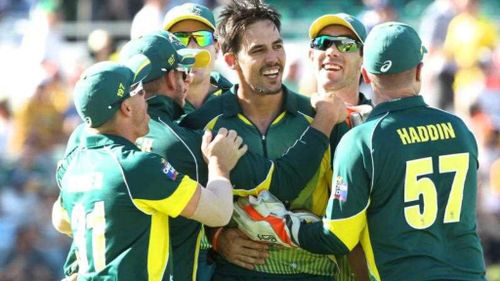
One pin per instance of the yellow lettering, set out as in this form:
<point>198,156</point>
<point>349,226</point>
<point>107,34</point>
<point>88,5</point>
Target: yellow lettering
<point>433,133</point>
<point>440,130</point>
<point>448,130</point>
<point>414,135</point>
<point>403,135</point>
<point>121,90</point>
<point>422,132</point>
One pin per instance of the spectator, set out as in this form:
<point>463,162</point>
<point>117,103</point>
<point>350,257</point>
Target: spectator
<point>149,18</point>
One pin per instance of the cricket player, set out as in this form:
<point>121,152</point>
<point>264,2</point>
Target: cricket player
<point>165,94</point>
<point>405,181</point>
<point>194,26</point>
<point>118,220</point>
<point>269,118</point>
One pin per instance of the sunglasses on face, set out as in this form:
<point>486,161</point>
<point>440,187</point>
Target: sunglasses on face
<point>343,44</point>
<point>203,38</point>
<point>186,71</point>
<point>135,89</point>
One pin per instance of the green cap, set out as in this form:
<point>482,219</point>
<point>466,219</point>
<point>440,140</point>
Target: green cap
<point>104,85</point>
<point>189,11</point>
<point>338,19</point>
<point>392,47</point>
<point>165,53</point>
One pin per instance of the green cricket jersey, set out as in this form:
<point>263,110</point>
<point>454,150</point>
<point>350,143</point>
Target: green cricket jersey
<point>220,85</point>
<point>181,146</point>
<point>225,111</point>
<point>119,221</point>
<point>405,185</point>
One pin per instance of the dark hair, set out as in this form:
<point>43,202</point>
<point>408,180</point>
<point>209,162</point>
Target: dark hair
<point>239,14</point>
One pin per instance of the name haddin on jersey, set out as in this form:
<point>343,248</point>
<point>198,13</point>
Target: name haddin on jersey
<point>432,132</point>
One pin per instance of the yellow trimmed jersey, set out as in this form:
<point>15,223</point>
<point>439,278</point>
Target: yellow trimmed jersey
<point>284,131</point>
<point>405,185</point>
<point>118,200</point>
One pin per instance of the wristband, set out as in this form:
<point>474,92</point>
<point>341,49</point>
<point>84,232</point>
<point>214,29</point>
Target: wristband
<point>215,238</point>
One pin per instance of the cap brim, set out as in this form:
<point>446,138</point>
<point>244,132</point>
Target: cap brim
<point>198,58</point>
<point>170,23</point>
<point>327,20</point>
<point>140,66</point>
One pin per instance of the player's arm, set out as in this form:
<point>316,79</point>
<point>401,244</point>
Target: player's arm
<point>345,219</point>
<point>287,175</point>
<point>213,205</point>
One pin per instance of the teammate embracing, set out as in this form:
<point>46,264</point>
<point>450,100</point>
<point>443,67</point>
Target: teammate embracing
<point>405,181</point>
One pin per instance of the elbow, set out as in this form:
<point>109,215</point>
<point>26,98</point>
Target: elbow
<point>221,216</point>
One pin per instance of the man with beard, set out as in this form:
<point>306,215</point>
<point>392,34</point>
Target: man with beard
<point>269,118</point>
<point>166,92</point>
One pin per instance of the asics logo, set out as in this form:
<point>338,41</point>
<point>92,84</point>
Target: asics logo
<point>386,66</point>
<point>88,120</point>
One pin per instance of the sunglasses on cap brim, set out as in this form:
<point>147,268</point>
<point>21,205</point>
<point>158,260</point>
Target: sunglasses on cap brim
<point>135,89</point>
<point>344,44</point>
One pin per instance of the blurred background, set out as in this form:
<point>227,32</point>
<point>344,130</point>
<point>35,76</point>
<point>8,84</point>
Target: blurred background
<point>46,44</point>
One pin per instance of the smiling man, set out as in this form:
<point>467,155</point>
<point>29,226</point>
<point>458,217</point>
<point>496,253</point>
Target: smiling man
<point>269,118</point>
<point>194,26</point>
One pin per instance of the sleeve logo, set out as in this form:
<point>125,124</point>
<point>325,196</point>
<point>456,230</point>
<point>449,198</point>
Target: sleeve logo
<point>340,189</point>
<point>169,170</point>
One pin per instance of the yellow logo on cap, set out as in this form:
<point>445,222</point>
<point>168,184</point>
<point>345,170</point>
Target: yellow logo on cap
<point>171,60</point>
<point>121,90</point>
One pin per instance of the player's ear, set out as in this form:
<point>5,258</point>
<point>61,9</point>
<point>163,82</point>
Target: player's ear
<point>169,79</point>
<point>230,59</point>
<point>419,71</point>
<point>126,107</point>
<point>310,54</point>
<point>365,75</point>
<point>217,48</point>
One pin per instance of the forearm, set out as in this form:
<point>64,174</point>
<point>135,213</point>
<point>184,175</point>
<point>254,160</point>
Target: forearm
<point>314,238</point>
<point>286,176</point>
<point>296,168</point>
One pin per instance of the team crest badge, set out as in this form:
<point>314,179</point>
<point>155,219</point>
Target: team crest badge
<point>169,170</point>
<point>340,189</point>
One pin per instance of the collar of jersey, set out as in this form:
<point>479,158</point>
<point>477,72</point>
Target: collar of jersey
<point>231,107</point>
<point>219,82</point>
<point>165,107</point>
<point>363,99</point>
<point>100,140</point>
<point>398,104</point>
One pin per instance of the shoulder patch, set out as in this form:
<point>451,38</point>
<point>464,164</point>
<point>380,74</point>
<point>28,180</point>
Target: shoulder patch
<point>169,170</point>
<point>340,189</point>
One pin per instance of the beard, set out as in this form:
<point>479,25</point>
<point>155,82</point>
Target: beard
<point>267,92</point>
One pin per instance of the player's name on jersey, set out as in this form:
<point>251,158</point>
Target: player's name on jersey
<point>425,133</point>
<point>85,182</point>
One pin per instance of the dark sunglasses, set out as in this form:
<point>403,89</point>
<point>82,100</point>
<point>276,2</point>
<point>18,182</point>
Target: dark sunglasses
<point>343,44</point>
<point>186,71</point>
<point>203,38</point>
<point>135,89</point>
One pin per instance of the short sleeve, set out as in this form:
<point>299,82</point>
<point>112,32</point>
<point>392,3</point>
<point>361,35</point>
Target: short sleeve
<point>156,186</point>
